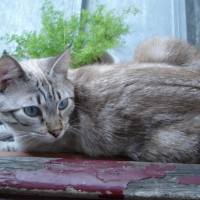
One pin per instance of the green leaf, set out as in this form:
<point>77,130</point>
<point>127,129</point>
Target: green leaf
<point>90,36</point>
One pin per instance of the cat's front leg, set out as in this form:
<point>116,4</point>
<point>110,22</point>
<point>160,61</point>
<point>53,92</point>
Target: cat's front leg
<point>7,142</point>
<point>8,146</point>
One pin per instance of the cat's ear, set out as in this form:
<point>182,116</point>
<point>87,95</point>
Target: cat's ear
<point>58,64</point>
<point>10,69</point>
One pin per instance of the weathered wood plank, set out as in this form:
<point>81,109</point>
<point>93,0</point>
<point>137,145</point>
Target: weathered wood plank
<point>39,177</point>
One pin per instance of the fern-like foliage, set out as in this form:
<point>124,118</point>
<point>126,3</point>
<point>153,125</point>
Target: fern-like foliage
<point>90,36</point>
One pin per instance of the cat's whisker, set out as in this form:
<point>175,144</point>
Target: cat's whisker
<point>40,135</point>
<point>75,127</point>
<point>74,120</point>
<point>20,136</point>
<point>77,104</point>
<point>75,131</point>
<point>79,107</point>
<point>23,141</point>
<point>33,140</point>
<point>24,135</point>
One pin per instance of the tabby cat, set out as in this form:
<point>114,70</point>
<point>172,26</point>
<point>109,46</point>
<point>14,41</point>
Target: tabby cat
<point>148,109</point>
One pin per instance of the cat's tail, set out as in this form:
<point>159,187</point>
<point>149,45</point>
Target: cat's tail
<point>170,51</point>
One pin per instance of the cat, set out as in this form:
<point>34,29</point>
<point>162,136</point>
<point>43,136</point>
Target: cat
<point>148,110</point>
<point>168,50</point>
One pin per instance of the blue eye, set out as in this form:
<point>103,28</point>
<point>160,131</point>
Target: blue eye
<point>62,104</point>
<point>31,111</point>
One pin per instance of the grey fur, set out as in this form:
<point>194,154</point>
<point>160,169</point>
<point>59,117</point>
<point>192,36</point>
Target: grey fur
<point>170,51</point>
<point>148,110</point>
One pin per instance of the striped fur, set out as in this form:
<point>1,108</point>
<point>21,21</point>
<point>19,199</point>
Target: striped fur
<point>33,85</point>
<point>148,109</point>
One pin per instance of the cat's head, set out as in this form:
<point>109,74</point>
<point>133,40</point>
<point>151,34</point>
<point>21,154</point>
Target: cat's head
<point>36,97</point>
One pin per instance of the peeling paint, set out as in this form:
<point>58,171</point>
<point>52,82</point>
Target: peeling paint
<point>104,178</point>
<point>187,180</point>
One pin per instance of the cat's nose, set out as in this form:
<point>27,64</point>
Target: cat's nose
<point>55,133</point>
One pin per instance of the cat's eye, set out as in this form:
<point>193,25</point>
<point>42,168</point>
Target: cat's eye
<point>63,104</point>
<point>31,111</point>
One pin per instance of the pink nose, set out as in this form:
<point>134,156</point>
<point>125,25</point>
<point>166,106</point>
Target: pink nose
<point>55,133</point>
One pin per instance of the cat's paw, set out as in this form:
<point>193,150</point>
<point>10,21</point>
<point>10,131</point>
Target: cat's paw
<point>8,146</point>
<point>5,134</point>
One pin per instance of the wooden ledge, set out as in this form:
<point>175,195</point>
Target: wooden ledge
<point>69,176</point>
<point>47,155</point>
<point>58,155</point>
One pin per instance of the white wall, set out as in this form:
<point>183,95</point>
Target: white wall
<point>157,17</point>
<point>19,15</point>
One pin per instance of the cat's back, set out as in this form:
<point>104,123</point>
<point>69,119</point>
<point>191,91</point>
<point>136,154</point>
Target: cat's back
<point>119,74</point>
<point>149,84</point>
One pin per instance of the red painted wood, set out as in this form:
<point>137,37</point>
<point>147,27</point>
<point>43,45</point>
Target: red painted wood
<point>187,180</point>
<point>107,178</point>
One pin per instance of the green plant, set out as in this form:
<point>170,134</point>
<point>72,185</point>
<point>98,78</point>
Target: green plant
<point>90,36</point>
